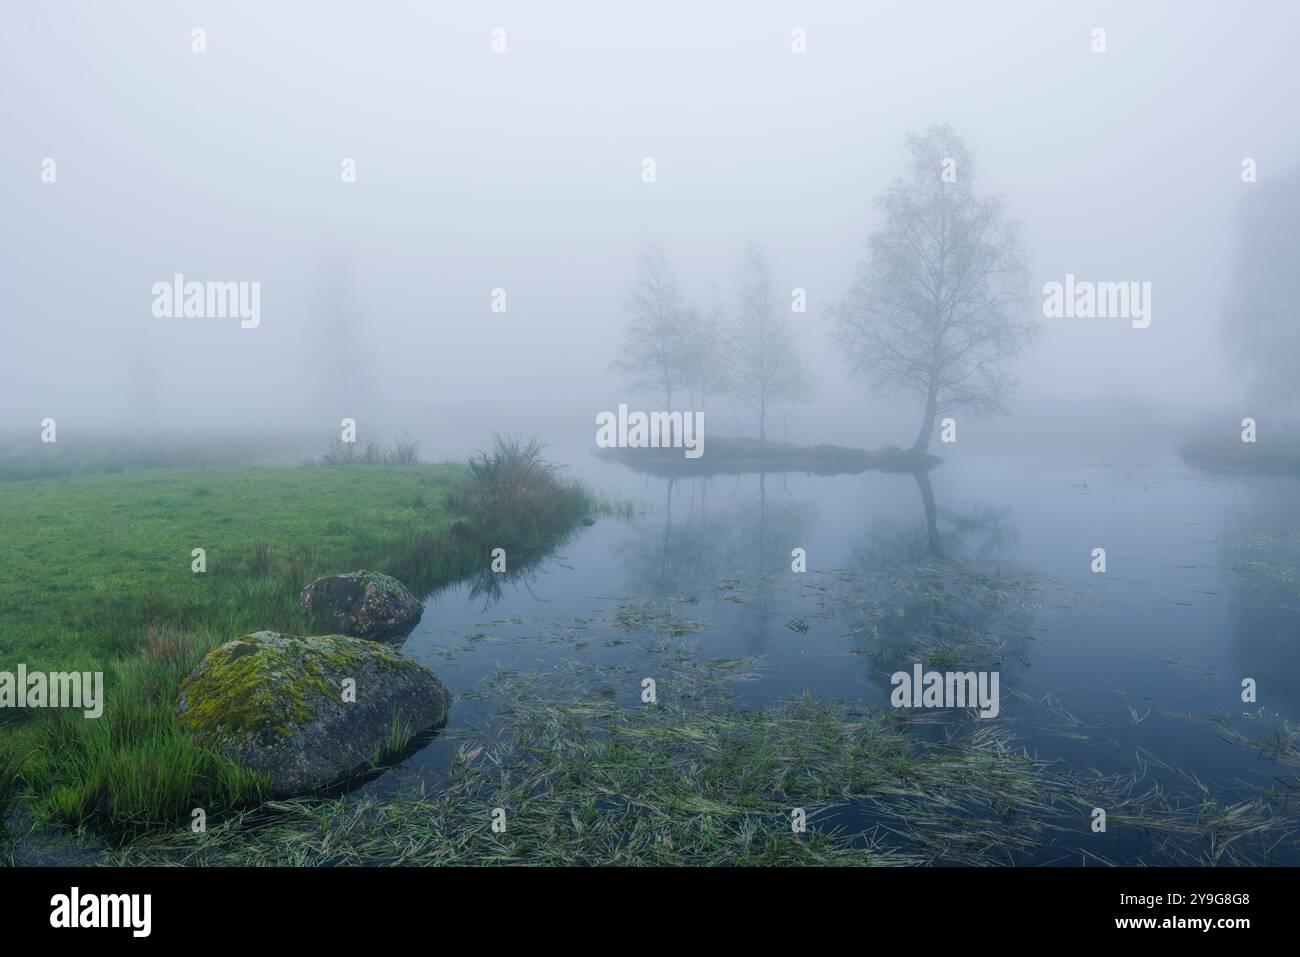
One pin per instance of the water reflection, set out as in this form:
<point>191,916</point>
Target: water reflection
<point>524,569</point>
<point>977,531</point>
<point>932,587</point>
<point>1260,548</point>
<point>714,529</point>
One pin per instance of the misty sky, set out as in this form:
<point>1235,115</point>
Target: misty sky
<point>522,171</point>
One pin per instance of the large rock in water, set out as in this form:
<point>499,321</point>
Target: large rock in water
<point>274,703</point>
<point>363,604</point>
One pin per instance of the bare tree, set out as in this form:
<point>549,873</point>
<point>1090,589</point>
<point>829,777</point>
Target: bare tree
<point>654,345</point>
<point>766,367</point>
<point>941,306</point>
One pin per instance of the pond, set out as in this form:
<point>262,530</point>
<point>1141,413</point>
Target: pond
<point>1133,675</point>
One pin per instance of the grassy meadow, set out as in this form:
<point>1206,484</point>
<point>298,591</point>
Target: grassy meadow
<point>90,563</point>
<point>96,574</point>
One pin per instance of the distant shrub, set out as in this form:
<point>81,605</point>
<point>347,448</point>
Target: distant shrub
<point>405,451</point>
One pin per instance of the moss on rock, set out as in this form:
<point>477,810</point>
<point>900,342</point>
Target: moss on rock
<point>363,604</point>
<point>277,704</point>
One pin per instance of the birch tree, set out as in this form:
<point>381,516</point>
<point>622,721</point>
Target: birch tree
<point>941,306</point>
<point>654,337</point>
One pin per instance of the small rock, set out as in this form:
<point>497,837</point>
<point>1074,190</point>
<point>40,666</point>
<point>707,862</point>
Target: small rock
<point>363,604</point>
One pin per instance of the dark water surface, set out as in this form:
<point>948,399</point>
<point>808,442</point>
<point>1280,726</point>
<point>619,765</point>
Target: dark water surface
<point>1143,664</point>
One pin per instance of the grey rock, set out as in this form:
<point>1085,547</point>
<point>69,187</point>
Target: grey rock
<point>274,703</point>
<point>363,604</point>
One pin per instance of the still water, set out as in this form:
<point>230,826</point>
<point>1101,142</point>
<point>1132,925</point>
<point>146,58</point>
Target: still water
<point>1135,670</point>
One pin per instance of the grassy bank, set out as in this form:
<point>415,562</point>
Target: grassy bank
<point>96,574</point>
<point>90,563</point>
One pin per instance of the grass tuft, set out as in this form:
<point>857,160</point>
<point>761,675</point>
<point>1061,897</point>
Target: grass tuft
<point>516,498</point>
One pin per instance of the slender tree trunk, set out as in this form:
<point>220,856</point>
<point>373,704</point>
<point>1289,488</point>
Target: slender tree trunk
<point>922,444</point>
<point>762,419</point>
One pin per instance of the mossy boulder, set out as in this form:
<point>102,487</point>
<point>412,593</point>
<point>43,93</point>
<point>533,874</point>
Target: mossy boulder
<point>277,704</point>
<point>363,604</point>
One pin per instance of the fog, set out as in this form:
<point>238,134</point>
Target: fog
<point>522,170</point>
<point>667,387</point>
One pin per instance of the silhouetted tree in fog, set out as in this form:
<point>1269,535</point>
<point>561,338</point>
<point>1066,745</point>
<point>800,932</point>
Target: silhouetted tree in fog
<point>1260,314</point>
<point>765,364</point>
<point>941,306</point>
<point>655,337</point>
<point>336,351</point>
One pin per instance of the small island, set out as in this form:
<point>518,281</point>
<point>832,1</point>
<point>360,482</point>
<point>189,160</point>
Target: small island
<point>727,456</point>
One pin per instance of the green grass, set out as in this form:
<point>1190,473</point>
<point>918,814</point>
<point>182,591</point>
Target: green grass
<point>87,564</point>
<point>10,764</point>
<point>96,574</point>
